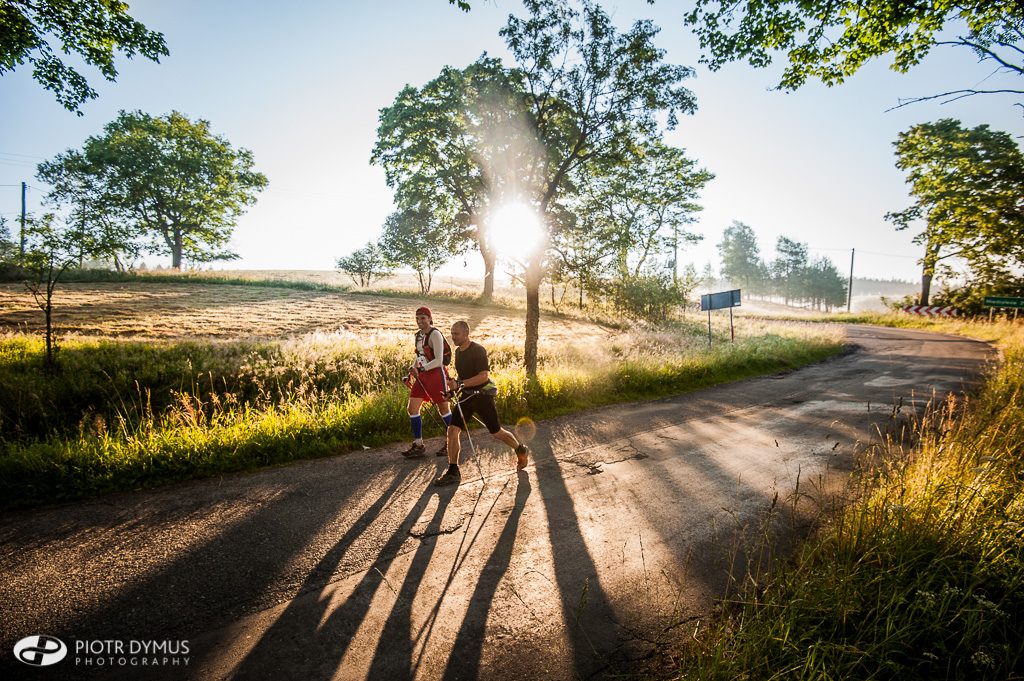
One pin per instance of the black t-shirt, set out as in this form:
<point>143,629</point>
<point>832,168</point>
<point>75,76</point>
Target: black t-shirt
<point>471,361</point>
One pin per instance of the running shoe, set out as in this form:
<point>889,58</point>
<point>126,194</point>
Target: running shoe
<point>415,451</point>
<point>522,456</point>
<point>450,477</point>
<point>443,451</point>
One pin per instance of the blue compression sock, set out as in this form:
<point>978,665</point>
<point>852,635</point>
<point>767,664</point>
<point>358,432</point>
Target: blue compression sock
<point>417,426</point>
<point>447,418</point>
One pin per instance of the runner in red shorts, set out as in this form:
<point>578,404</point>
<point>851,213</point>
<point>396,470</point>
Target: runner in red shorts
<point>427,381</point>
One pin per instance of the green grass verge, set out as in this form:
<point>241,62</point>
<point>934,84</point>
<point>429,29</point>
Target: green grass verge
<point>920,577</point>
<point>127,415</point>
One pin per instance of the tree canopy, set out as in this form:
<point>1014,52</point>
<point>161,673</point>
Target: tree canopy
<point>578,117</point>
<point>641,202</point>
<point>741,258</point>
<point>830,41</point>
<point>413,237</point>
<point>590,89</point>
<point>968,187</point>
<point>92,30</point>
<point>364,265</point>
<point>445,147</point>
<point>167,179</point>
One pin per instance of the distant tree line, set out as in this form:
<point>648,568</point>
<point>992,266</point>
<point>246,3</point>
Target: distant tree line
<point>792,275</point>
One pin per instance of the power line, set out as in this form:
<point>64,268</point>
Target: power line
<point>11,153</point>
<point>892,255</point>
<point>888,255</point>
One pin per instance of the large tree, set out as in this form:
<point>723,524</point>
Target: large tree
<point>830,40</point>
<point>91,30</point>
<point>448,146</point>
<point>167,178</point>
<point>968,189</point>
<point>589,89</point>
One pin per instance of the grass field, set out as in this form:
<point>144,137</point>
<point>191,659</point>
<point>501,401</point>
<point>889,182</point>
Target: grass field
<point>169,381</point>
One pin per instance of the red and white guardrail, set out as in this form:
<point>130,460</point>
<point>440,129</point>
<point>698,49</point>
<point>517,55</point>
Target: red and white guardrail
<point>932,311</point>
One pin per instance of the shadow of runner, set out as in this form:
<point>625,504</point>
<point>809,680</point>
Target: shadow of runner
<point>464,661</point>
<point>393,656</point>
<point>590,620</point>
<point>304,633</point>
<point>211,584</point>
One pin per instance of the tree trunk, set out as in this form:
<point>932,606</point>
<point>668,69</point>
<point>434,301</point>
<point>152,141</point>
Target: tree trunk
<point>622,264</point>
<point>931,256</point>
<point>51,360</point>
<point>176,250</point>
<point>533,279</point>
<point>490,260</point>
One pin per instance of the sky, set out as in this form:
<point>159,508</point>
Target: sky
<point>301,85</point>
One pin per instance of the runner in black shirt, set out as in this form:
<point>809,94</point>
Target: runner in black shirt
<point>477,397</point>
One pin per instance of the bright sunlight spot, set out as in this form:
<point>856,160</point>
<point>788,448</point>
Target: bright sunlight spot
<point>516,231</point>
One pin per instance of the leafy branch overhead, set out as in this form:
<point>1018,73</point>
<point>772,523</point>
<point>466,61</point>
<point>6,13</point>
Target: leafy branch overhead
<point>92,30</point>
<point>830,41</point>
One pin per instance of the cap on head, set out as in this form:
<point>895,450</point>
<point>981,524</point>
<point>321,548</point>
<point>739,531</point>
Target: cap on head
<point>424,311</point>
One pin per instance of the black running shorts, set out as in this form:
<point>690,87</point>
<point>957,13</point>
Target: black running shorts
<point>482,406</point>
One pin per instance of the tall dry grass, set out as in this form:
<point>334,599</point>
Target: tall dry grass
<point>124,415</point>
<point>921,576</point>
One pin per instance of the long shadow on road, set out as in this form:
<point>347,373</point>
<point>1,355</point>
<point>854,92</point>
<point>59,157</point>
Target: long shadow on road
<point>324,632</point>
<point>464,661</point>
<point>590,620</point>
<point>233,570</point>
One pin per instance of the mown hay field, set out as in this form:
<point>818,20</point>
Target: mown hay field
<point>162,311</point>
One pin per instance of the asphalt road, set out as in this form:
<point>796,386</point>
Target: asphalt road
<point>616,539</point>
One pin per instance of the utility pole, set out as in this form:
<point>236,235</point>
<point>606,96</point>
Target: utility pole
<point>675,255</point>
<point>22,223</point>
<point>849,286</point>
